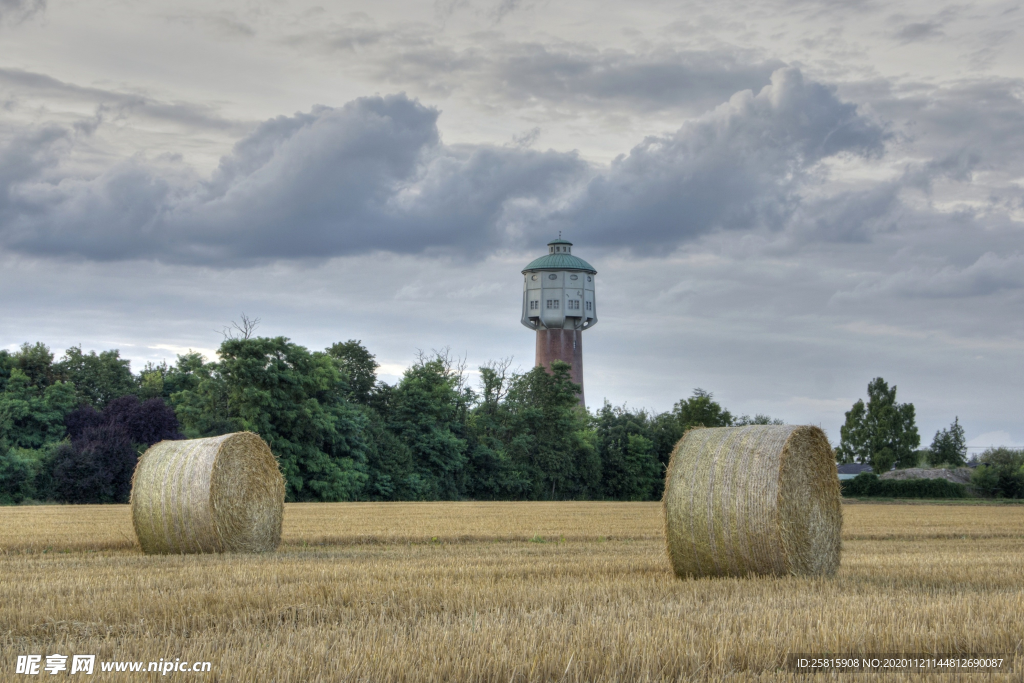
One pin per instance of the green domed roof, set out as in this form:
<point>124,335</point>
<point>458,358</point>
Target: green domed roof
<point>559,262</point>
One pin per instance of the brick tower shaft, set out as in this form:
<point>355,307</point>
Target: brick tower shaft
<point>563,345</point>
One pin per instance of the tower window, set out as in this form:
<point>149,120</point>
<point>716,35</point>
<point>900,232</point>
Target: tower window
<point>552,303</point>
<point>574,277</point>
<point>552,277</point>
<point>590,305</point>
<point>534,305</point>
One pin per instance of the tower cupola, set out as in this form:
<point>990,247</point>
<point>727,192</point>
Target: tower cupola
<point>560,246</point>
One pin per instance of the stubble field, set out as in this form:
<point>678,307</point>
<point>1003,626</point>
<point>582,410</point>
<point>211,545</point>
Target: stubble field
<point>499,592</point>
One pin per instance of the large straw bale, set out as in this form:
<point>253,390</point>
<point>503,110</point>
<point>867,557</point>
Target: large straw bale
<point>761,499</point>
<point>222,494</point>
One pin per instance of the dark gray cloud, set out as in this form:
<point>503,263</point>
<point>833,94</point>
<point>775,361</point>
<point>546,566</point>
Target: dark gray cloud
<point>374,175</point>
<point>925,29</point>
<point>989,274</point>
<point>922,30</point>
<point>17,11</point>
<point>223,23</point>
<point>739,167</point>
<point>657,79</point>
<point>370,175</point>
<point>850,216</point>
<point>551,75</point>
<point>976,116</point>
<point>367,176</point>
<point>961,144</point>
<point>27,154</point>
<point>111,105</point>
<point>983,117</point>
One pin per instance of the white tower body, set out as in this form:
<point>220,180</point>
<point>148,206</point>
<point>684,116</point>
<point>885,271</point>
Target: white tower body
<point>558,291</point>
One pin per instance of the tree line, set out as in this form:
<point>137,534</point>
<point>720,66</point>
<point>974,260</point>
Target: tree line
<point>71,430</point>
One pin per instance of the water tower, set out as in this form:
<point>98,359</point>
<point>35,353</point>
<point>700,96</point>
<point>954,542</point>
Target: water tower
<point>558,302</point>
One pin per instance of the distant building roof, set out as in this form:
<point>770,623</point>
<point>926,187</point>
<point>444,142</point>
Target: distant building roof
<point>853,468</point>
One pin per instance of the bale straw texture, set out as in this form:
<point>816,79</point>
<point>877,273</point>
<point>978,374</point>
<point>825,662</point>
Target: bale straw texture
<point>760,499</point>
<point>222,494</point>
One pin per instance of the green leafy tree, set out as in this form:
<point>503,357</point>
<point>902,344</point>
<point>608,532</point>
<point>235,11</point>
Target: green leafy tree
<point>665,431</point>
<point>638,472</point>
<point>701,410</point>
<point>163,381</point>
<point>428,412</point>
<point>98,378</point>
<point>292,398</point>
<point>36,362</point>
<point>19,470</point>
<point>32,416</point>
<point>1000,473</point>
<point>547,436</point>
<point>201,403</point>
<point>392,471</point>
<point>360,368</point>
<point>6,365</point>
<point>588,457</point>
<point>493,473</point>
<point>881,433</point>
<point>759,419</point>
<point>949,446</point>
<point>630,466</point>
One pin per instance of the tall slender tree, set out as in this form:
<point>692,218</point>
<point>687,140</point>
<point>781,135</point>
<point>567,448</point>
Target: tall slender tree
<point>881,433</point>
<point>950,446</point>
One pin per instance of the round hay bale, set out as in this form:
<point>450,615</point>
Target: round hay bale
<point>222,494</point>
<point>761,499</point>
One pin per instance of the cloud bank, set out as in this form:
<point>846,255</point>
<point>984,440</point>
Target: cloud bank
<point>375,174</point>
<point>17,11</point>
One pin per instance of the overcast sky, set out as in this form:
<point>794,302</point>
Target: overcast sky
<point>782,200</point>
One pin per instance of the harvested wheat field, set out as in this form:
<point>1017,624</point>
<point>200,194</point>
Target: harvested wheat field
<point>500,592</point>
